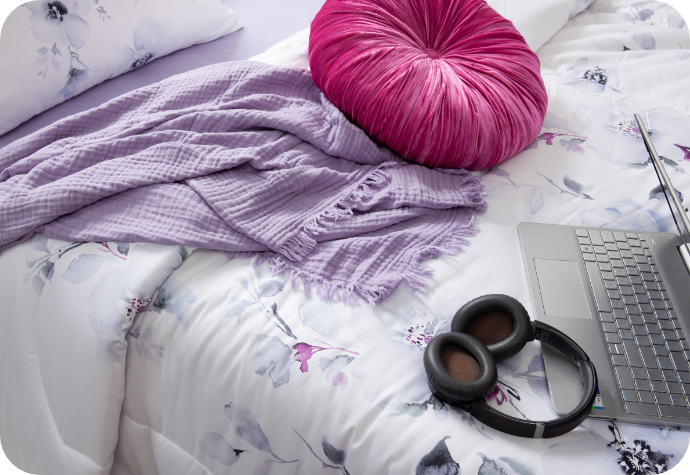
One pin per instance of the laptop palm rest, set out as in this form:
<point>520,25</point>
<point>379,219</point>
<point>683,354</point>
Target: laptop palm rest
<point>563,296</point>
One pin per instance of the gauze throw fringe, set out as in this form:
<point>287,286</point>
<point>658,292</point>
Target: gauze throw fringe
<point>243,158</point>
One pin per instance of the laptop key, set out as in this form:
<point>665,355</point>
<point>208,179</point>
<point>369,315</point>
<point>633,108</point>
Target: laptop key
<point>658,305</point>
<point>678,400</point>
<point>632,271</point>
<point>639,330</point>
<point>655,374</point>
<point>617,263</point>
<point>616,349</point>
<point>581,233</point>
<point>673,411</point>
<point>619,360</point>
<point>632,309</point>
<point>626,335</point>
<point>617,304</point>
<point>637,251</point>
<point>629,396</point>
<point>624,246</point>
<point>648,357</point>
<point>674,346</point>
<point>642,298</point>
<point>605,317</point>
<point>665,363</point>
<point>613,294</point>
<point>632,235</point>
<point>684,377</point>
<point>605,267</point>
<point>623,324</point>
<point>599,249</point>
<point>666,325</point>
<point>669,334</point>
<point>629,299</point>
<point>643,340</point>
<point>607,236</point>
<point>612,338</point>
<point>660,351</point>
<point>642,409</point>
<point>634,243</point>
<point>626,290</point>
<point>620,237</point>
<point>625,380</point>
<point>662,314</point>
<point>653,329</point>
<point>646,308</point>
<point>641,259</point>
<point>609,327</point>
<point>674,388</point>
<point>643,385</point>
<point>656,339</point>
<point>646,397</point>
<point>633,354</point>
<point>589,257</point>
<point>658,386</point>
<point>636,319</point>
<point>584,240</point>
<point>662,398</point>
<point>639,373</point>
<point>619,272</point>
<point>669,376</point>
<point>602,258</point>
<point>629,262</point>
<point>610,284</point>
<point>626,254</point>
<point>636,280</point>
<point>596,238</point>
<point>680,362</point>
<point>648,318</point>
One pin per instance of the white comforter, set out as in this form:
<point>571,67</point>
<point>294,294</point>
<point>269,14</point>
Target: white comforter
<point>227,369</point>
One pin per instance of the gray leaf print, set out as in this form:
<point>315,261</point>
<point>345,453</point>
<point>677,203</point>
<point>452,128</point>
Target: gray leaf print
<point>122,248</point>
<point>270,288</point>
<point>147,334</point>
<point>644,39</point>
<point>84,267</point>
<point>246,427</point>
<point>572,185</point>
<point>238,307</point>
<point>490,467</point>
<point>215,446</point>
<point>268,352</point>
<point>334,455</point>
<point>657,193</point>
<point>438,462</point>
<point>535,199</point>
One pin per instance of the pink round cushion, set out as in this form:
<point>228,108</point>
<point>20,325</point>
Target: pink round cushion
<point>446,83</point>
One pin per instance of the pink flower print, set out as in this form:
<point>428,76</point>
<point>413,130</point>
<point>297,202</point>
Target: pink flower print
<point>416,337</point>
<point>305,351</point>
<point>136,306</point>
<point>497,395</point>
<point>686,151</point>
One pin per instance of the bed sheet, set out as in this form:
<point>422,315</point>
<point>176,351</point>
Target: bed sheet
<point>230,370</point>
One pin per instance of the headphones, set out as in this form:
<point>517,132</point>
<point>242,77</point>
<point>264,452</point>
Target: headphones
<point>461,365</point>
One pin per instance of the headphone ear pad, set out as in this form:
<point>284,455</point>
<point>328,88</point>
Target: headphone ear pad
<point>505,326</point>
<point>472,359</point>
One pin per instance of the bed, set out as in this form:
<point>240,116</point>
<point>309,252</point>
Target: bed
<point>228,368</point>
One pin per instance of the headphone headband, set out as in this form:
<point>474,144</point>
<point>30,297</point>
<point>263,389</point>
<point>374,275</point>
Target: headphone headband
<point>546,429</point>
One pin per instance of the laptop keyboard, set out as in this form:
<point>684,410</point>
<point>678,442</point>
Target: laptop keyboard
<point>645,341</point>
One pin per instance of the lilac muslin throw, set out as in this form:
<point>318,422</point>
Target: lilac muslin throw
<point>244,158</point>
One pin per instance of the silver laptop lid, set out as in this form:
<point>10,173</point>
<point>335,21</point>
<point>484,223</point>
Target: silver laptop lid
<point>678,211</point>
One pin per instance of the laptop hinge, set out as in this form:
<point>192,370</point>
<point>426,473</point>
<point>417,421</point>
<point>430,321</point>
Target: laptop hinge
<point>685,254</point>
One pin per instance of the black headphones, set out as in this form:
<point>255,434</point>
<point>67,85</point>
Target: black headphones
<point>461,365</point>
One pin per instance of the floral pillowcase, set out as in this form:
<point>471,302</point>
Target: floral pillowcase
<point>51,50</point>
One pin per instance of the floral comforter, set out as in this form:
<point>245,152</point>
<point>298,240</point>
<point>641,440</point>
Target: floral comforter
<point>227,369</point>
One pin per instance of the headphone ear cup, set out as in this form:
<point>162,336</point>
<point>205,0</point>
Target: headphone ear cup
<point>461,352</point>
<point>499,321</point>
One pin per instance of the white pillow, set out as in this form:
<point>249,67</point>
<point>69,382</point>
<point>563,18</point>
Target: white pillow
<point>536,20</point>
<point>51,50</point>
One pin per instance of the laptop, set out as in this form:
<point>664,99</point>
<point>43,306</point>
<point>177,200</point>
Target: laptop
<point>624,297</point>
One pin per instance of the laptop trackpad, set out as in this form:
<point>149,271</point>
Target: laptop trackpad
<point>561,289</point>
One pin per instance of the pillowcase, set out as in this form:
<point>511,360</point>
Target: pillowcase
<point>51,50</point>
